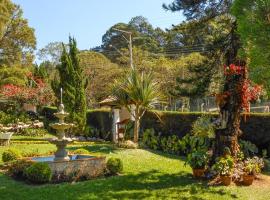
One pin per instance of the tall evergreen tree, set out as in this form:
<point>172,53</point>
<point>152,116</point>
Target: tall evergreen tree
<point>74,82</point>
<point>203,11</point>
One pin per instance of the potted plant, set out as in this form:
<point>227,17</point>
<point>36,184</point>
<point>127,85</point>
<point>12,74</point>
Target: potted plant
<point>198,161</point>
<point>224,167</point>
<point>252,166</point>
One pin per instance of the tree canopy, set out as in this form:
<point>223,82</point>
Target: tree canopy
<point>17,39</point>
<point>253,26</point>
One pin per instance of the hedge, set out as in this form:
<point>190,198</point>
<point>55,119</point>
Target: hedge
<point>99,119</point>
<point>256,128</point>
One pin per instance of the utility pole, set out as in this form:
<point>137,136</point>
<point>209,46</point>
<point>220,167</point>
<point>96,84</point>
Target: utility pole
<point>129,41</point>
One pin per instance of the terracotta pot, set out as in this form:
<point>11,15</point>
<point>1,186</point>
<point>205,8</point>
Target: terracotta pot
<point>198,173</point>
<point>226,180</point>
<point>248,179</point>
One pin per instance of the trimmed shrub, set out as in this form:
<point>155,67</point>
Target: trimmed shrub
<point>81,151</point>
<point>114,165</point>
<point>100,122</point>
<point>17,168</point>
<point>11,155</point>
<point>38,173</point>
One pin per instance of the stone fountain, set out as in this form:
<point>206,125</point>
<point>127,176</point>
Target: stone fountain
<point>61,141</point>
<point>61,162</point>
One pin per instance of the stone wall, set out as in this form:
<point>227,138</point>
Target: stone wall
<point>87,167</point>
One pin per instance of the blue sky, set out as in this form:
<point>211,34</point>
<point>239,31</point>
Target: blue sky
<point>88,20</point>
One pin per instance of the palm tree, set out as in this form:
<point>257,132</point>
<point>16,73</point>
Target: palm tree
<point>139,92</point>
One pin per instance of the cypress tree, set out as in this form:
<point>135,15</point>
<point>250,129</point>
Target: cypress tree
<point>73,81</point>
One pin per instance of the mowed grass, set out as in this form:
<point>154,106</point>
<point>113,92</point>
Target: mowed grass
<point>147,175</point>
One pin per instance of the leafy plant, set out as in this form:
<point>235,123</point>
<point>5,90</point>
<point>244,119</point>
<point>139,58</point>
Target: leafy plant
<point>17,168</point>
<point>163,144</point>
<point>197,159</point>
<point>11,155</point>
<point>203,127</point>
<point>114,165</point>
<point>249,149</point>
<point>253,166</point>
<point>224,165</point>
<point>150,140</point>
<point>38,173</point>
<point>191,143</point>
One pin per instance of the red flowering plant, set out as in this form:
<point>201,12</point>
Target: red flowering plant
<point>38,93</point>
<point>233,69</point>
<point>249,91</point>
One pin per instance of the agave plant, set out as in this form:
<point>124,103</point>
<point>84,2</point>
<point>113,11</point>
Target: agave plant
<point>138,93</point>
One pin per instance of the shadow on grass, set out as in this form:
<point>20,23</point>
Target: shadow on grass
<point>144,185</point>
<point>96,148</point>
<point>167,155</point>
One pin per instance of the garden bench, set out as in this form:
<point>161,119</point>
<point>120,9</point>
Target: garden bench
<point>5,138</point>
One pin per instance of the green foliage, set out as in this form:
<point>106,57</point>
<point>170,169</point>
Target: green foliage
<point>114,165</point>
<point>33,132</point>
<point>12,117</point>
<point>147,38</point>
<point>224,165</point>
<point>170,144</point>
<point>6,118</point>
<point>203,127</point>
<point>17,168</point>
<point>38,173</point>
<point>191,143</point>
<point>253,26</point>
<point>17,39</point>
<point>150,140</point>
<point>73,81</point>
<point>100,71</point>
<point>248,148</point>
<point>199,9</point>
<point>139,90</point>
<point>81,151</point>
<point>13,75</point>
<point>197,82</point>
<point>197,159</point>
<point>11,155</point>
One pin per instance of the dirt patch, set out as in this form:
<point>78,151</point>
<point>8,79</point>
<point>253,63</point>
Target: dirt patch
<point>261,181</point>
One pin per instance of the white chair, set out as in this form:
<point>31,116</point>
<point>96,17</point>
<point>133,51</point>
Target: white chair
<point>5,138</point>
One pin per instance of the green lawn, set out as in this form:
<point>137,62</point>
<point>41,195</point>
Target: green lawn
<point>147,175</point>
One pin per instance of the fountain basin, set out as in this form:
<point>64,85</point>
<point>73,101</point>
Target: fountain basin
<point>82,165</point>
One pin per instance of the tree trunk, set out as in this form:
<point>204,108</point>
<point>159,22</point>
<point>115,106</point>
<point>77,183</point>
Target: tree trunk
<point>136,130</point>
<point>230,114</point>
<point>136,125</point>
<point>230,111</point>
